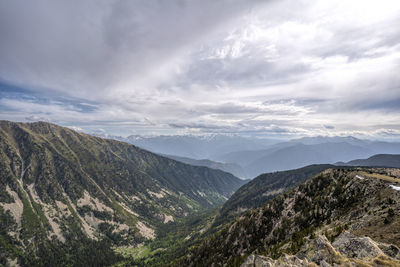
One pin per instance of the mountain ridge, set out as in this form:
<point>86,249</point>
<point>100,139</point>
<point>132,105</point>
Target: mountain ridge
<point>379,160</point>
<point>62,189</point>
<point>360,200</point>
<point>232,168</point>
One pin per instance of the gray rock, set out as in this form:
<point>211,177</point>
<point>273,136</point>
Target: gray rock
<point>390,250</point>
<point>356,247</point>
<point>284,261</point>
<point>319,251</point>
<point>257,261</point>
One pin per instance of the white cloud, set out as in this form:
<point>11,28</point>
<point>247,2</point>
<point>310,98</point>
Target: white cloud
<point>292,67</point>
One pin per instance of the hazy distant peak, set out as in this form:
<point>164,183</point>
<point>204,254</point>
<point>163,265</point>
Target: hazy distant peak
<point>327,139</point>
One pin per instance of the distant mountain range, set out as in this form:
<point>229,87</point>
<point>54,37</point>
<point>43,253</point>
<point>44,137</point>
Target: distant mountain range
<point>296,155</point>
<point>67,198</point>
<point>193,146</point>
<point>257,156</point>
<point>380,160</point>
<point>232,168</point>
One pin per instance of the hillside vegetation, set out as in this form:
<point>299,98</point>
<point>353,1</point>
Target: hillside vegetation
<point>261,189</point>
<point>363,201</point>
<point>68,198</point>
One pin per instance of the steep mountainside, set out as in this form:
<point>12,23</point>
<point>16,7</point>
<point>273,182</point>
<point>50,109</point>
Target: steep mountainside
<point>261,189</point>
<point>65,197</point>
<point>366,202</point>
<point>232,168</point>
<point>380,160</point>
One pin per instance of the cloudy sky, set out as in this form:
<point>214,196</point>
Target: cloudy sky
<point>278,69</point>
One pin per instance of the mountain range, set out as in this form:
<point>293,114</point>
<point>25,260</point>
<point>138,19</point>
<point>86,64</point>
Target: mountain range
<point>380,160</point>
<point>196,146</point>
<point>232,168</point>
<point>72,199</point>
<point>298,153</point>
<point>256,156</point>
<point>68,198</point>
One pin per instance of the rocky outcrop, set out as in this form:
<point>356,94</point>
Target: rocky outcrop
<point>346,250</point>
<point>320,251</point>
<point>356,247</point>
<point>334,200</point>
<point>390,250</point>
<point>285,260</point>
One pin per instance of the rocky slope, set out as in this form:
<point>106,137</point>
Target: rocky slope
<point>346,250</point>
<point>261,189</point>
<point>67,197</point>
<point>366,202</point>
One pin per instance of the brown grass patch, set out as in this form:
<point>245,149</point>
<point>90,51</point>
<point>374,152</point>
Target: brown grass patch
<point>379,176</point>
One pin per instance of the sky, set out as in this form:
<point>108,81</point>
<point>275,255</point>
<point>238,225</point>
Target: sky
<point>275,69</point>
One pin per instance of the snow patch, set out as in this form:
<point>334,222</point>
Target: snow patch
<point>397,188</point>
<point>360,177</point>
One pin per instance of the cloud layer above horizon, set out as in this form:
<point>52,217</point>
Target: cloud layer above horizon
<point>278,69</point>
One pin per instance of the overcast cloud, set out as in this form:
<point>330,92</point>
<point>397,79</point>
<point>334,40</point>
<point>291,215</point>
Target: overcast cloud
<point>267,68</point>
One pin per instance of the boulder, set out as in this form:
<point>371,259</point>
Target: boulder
<point>356,247</point>
<point>284,261</point>
<point>320,251</point>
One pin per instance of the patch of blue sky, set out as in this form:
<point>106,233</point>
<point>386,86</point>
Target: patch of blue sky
<point>13,92</point>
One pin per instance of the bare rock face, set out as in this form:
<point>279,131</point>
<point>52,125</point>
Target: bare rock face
<point>320,251</point>
<point>356,247</point>
<point>390,250</point>
<point>257,260</point>
<point>346,250</point>
<point>285,260</point>
<point>289,260</point>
